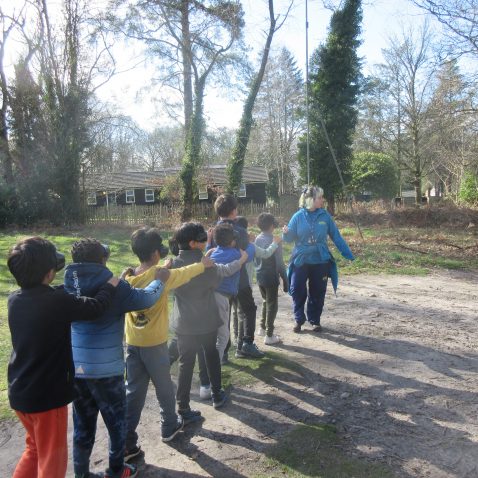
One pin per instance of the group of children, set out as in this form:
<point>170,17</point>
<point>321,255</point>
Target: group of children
<point>68,340</point>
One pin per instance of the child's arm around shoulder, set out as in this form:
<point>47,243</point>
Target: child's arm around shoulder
<point>182,275</point>
<point>227,270</point>
<point>89,308</point>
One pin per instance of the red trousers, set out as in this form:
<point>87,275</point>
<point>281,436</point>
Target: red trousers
<point>46,451</point>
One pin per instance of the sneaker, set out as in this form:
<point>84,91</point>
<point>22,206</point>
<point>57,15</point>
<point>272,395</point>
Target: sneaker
<point>240,354</point>
<point>297,328</point>
<point>133,452</point>
<point>205,392</point>
<point>261,332</point>
<point>251,350</point>
<point>317,328</point>
<point>219,399</point>
<point>168,435</point>
<point>190,416</point>
<point>88,475</point>
<point>273,339</point>
<point>128,471</point>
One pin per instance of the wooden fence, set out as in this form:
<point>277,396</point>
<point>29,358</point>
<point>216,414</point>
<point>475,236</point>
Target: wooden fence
<point>167,214</point>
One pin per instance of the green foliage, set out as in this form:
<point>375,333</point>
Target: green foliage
<point>374,172</point>
<point>334,87</point>
<point>469,188</point>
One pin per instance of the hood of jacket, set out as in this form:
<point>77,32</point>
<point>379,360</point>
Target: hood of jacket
<point>85,278</point>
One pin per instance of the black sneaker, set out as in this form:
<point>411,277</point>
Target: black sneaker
<point>219,399</point>
<point>297,328</point>
<point>132,453</point>
<point>88,475</point>
<point>317,328</point>
<point>190,416</point>
<point>168,434</point>
<point>251,350</point>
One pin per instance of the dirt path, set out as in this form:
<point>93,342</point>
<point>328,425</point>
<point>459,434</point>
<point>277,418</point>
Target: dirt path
<point>394,370</point>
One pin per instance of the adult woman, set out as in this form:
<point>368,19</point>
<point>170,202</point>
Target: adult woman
<point>311,263</point>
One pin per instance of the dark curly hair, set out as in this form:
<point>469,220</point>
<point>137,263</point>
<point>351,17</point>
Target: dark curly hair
<point>224,234</point>
<point>89,250</point>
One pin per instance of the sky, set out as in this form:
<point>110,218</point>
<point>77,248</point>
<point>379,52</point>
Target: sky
<point>129,92</point>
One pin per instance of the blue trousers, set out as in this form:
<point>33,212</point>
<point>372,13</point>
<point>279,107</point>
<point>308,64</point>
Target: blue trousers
<point>106,396</point>
<point>309,283</point>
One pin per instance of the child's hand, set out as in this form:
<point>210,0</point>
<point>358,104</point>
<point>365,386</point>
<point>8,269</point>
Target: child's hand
<point>114,281</point>
<point>210,233</point>
<point>168,263</point>
<point>207,262</point>
<point>129,271</point>
<point>277,239</point>
<point>285,230</point>
<point>252,237</point>
<point>244,256</point>
<point>162,274</point>
<point>209,252</point>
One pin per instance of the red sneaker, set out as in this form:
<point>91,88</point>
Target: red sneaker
<point>128,471</point>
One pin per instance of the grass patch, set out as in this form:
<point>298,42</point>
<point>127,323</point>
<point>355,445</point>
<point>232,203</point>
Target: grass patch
<point>313,450</point>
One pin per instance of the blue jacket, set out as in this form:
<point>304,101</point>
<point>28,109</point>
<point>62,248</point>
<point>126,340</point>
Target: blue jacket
<point>310,230</point>
<point>98,345</point>
<point>225,255</point>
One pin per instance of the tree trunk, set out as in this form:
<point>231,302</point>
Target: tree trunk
<point>236,163</point>
<point>187,70</point>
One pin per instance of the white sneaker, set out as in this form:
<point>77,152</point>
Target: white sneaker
<point>274,339</point>
<point>205,392</point>
<point>261,332</point>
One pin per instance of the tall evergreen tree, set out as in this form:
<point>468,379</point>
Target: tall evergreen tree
<point>334,88</point>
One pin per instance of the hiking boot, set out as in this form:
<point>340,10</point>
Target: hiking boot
<point>128,471</point>
<point>219,399</point>
<point>168,434</point>
<point>297,328</point>
<point>261,332</point>
<point>272,340</point>
<point>205,392</point>
<point>251,350</point>
<point>132,453</point>
<point>317,328</point>
<point>190,416</point>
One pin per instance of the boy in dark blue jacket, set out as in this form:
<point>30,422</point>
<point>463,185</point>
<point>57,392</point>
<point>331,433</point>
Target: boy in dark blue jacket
<point>98,358</point>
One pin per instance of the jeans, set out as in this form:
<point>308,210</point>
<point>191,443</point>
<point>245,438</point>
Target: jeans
<point>189,346</point>
<point>106,396</point>
<point>270,298</point>
<point>316,277</point>
<point>142,365</point>
<point>247,313</point>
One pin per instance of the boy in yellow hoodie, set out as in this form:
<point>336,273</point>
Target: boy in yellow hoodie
<point>147,355</point>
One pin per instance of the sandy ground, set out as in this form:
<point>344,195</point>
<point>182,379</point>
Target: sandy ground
<point>394,370</point>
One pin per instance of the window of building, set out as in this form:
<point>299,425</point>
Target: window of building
<point>149,195</point>
<point>91,198</point>
<point>203,194</point>
<point>130,196</point>
<point>242,191</point>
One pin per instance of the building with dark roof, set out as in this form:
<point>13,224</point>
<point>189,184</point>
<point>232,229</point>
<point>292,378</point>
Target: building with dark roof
<point>143,187</point>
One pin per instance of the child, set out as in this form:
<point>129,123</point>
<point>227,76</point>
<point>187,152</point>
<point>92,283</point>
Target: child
<point>40,372</point>
<point>98,357</point>
<point>226,208</point>
<point>268,272</point>
<point>146,337</point>
<point>225,253</point>
<point>197,318</point>
<point>259,253</point>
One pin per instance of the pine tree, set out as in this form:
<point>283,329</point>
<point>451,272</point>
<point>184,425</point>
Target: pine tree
<point>334,88</point>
